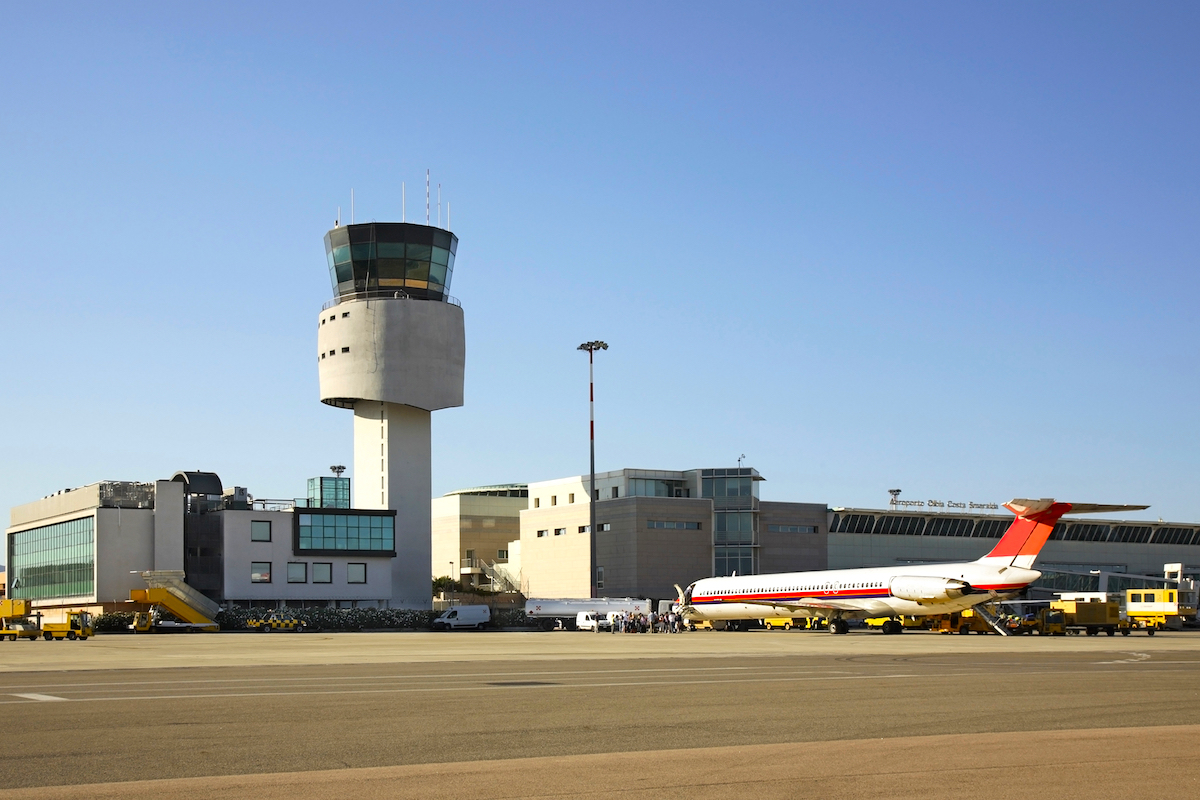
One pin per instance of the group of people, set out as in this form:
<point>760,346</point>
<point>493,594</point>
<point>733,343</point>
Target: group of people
<point>625,622</point>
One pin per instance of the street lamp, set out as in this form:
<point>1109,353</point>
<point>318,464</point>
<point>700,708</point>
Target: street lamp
<point>591,348</point>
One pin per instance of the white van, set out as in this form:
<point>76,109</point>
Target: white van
<point>463,617</point>
<point>589,620</point>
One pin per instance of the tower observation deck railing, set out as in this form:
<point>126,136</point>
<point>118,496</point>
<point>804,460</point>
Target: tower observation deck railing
<point>388,294</point>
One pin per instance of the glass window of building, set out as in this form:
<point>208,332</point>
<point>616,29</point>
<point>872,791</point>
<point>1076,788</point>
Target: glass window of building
<point>361,532</point>
<point>260,571</point>
<point>260,530</point>
<point>646,487</point>
<point>729,487</point>
<point>297,572</point>
<point>356,573</point>
<point>322,572</point>
<point>329,492</point>
<point>734,526</point>
<point>53,561</point>
<point>728,560</point>
<point>599,577</point>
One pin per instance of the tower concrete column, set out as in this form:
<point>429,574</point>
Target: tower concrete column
<point>392,347</point>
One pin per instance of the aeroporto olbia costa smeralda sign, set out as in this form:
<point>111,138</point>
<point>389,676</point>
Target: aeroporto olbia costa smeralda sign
<point>970,505</point>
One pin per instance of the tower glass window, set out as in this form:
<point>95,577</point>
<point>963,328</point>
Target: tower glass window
<point>391,257</point>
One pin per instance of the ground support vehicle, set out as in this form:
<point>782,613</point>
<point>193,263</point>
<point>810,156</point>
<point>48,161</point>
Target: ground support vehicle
<point>277,621</point>
<point>463,618</point>
<point>700,625</point>
<point>959,622</point>
<point>174,606</point>
<point>591,621</point>
<point>778,623</point>
<point>1158,609</point>
<point>561,614</point>
<point>77,626</point>
<point>18,622</point>
<point>1091,618</point>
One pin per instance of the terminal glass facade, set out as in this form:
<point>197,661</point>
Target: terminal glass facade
<point>734,493</point>
<point>53,561</point>
<point>359,532</point>
<point>391,257</point>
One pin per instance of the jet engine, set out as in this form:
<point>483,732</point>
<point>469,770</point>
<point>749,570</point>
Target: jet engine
<point>928,590</point>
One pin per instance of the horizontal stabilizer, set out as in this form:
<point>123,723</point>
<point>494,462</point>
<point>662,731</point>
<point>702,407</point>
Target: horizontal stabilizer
<point>1101,508</point>
<point>1028,508</point>
<point>1024,539</point>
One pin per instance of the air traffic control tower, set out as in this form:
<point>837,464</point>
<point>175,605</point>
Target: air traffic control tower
<point>392,347</point>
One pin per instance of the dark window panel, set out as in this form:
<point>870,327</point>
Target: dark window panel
<point>361,233</point>
<point>339,237</point>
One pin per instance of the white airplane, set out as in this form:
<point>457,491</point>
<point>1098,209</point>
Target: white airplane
<point>910,590</point>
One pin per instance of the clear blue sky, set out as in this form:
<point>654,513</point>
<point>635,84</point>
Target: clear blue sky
<point>943,247</point>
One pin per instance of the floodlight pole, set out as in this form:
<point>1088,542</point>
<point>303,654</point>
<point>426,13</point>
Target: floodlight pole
<point>591,348</point>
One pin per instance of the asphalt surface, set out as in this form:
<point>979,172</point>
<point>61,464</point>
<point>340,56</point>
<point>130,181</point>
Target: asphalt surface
<point>584,715</point>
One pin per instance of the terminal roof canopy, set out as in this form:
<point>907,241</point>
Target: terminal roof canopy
<point>413,260</point>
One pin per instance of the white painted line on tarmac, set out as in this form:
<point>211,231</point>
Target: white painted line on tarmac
<point>1137,659</point>
<point>44,698</point>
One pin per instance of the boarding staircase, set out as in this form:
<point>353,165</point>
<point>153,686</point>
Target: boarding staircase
<point>991,619</point>
<point>167,589</point>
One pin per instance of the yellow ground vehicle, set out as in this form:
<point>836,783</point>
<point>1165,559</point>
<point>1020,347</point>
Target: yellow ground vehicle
<point>1158,609</point>
<point>17,621</point>
<point>907,623</point>
<point>1090,617</point>
<point>700,625</point>
<point>77,626</point>
<point>174,606</point>
<point>960,622</point>
<point>776,623</point>
<point>277,621</point>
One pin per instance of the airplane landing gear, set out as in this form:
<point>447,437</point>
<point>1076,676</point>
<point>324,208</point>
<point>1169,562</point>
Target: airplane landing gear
<point>892,626</point>
<point>838,625</point>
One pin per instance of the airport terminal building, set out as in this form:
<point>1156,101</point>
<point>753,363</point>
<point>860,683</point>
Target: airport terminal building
<point>658,528</point>
<point>86,547</point>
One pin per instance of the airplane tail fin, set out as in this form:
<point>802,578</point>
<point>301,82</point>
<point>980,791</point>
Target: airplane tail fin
<point>1024,539</point>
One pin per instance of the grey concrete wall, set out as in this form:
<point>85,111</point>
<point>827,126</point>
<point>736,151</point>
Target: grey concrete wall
<point>410,352</point>
<point>56,505</point>
<point>666,557</point>
<point>240,552</point>
<point>392,458</point>
<point>168,525</point>
<point>124,543</point>
<point>792,552</point>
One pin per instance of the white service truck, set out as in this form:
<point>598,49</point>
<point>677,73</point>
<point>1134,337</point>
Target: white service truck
<point>473,618</point>
<point>563,613</point>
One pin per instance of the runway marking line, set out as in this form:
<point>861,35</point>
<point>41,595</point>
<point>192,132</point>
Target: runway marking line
<point>42,698</point>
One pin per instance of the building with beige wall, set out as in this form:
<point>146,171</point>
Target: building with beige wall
<point>656,528</point>
<point>473,534</point>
